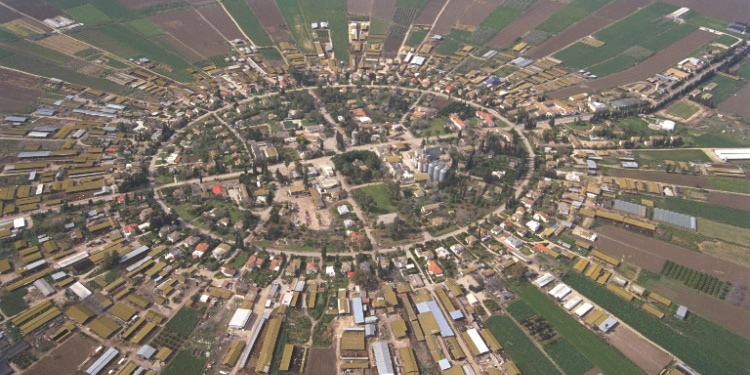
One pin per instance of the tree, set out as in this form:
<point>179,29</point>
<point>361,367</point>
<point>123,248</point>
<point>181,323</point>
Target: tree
<point>110,260</point>
<point>360,277</point>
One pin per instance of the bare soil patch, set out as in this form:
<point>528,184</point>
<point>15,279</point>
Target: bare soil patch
<point>654,64</point>
<point>321,361</point>
<point>391,46</point>
<point>587,26</point>
<point>529,19</point>
<point>359,7</point>
<point>34,8</point>
<point>383,9</point>
<point>732,10</point>
<point>477,12</point>
<point>7,15</point>
<point>642,352</point>
<point>737,103</point>
<point>430,12</point>
<point>729,200</point>
<point>663,177</point>
<point>448,18</point>
<point>217,17</point>
<point>188,27</point>
<point>270,17</point>
<point>65,359</point>
<point>63,44</point>
<point>17,90</point>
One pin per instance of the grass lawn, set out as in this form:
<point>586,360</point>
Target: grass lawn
<point>145,27</point>
<point>716,140</point>
<point>12,303</point>
<point>184,321</point>
<point>570,14</point>
<point>568,357</point>
<point>383,203</point>
<point>744,70</point>
<point>88,14</point>
<point>185,363</point>
<point>238,261</point>
<point>683,110</point>
<point>674,155</point>
<point>737,185</point>
<point>451,42</point>
<point>522,351</point>
<point>437,127</point>
<point>415,37</point>
<point>271,53</point>
<point>705,346</point>
<point>726,88</point>
<point>721,214</point>
<point>726,40</point>
<point>607,358</point>
<point>245,18</point>
<point>320,326</point>
<point>411,3</point>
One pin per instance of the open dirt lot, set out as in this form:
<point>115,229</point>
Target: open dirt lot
<point>429,12</point>
<point>321,361</point>
<point>654,64</point>
<point>270,17</point>
<point>189,28</point>
<point>217,17</point>
<point>477,12</point>
<point>650,254</point>
<point>737,103</point>
<point>34,8</point>
<point>63,44</point>
<point>643,353</point>
<point>64,359</point>
<point>587,26</point>
<point>7,15</point>
<point>731,10</point>
<point>448,19</point>
<point>17,90</point>
<point>663,177</point>
<point>529,19</point>
<point>729,200</point>
<point>383,9</point>
<point>359,7</point>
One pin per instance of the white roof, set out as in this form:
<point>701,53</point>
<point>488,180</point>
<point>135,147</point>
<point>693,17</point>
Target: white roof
<point>733,153</point>
<point>572,302</point>
<point>560,291</point>
<point>383,358</point>
<point>73,259</point>
<point>19,223</point>
<point>478,341</point>
<point>78,289</point>
<point>584,309</point>
<point>544,280</point>
<point>240,318</point>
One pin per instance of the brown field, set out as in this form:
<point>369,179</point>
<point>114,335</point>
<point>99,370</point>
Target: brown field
<point>188,27</point>
<point>391,46</point>
<point>732,10</point>
<point>270,17</point>
<point>448,18</point>
<point>181,48</point>
<point>17,90</point>
<point>654,64</point>
<point>34,8</point>
<point>429,12</point>
<point>587,26</point>
<point>729,200</point>
<point>216,16</point>
<point>137,4</point>
<point>663,177</point>
<point>738,102</point>
<point>477,12</point>
<point>383,9</point>
<point>65,359</point>
<point>63,44</point>
<point>321,361</point>
<point>359,7</point>
<point>639,350</point>
<point>7,15</point>
<point>529,19</point>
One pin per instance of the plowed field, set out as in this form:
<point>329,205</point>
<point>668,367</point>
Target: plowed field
<point>383,9</point>
<point>477,12</point>
<point>270,17</point>
<point>731,10</point>
<point>430,12</point>
<point>737,103</point>
<point>188,27</point>
<point>217,17</point>
<point>7,15</point>
<point>17,90</point>
<point>642,352</point>
<point>64,359</point>
<point>530,18</point>
<point>448,18</point>
<point>359,7</point>
<point>729,200</point>
<point>34,8</point>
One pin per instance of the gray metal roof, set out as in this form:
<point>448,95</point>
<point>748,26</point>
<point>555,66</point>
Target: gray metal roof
<point>456,315</point>
<point>133,254</point>
<point>432,306</point>
<point>608,324</point>
<point>682,312</point>
<point>591,164</point>
<point>103,361</point>
<point>33,154</point>
<point>676,219</point>
<point>631,208</point>
<point>16,118</point>
<point>146,351</point>
<point>359,315</point>
<point>383,358</point>
<point>43,286</point>
<point>44,112</point>
<point>44,129</point>
<point>370,330</point>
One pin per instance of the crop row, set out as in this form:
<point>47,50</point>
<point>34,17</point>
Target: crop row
<point>691,278</point>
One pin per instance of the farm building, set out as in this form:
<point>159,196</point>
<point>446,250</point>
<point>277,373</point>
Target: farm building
<point>103,361</point>
<point>240,318</point>
<point>383,358</point>
<point>682,312</point>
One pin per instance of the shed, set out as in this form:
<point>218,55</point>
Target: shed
<point>383,358</point>
<point>146,351</point>
<point>240,318</point>
<point>682,312</point>
<point>44,287</point>
<point>103,361</point>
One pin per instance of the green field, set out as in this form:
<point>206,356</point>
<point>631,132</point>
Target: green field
<point>736,185</point>
<point>145,27</point>
<point>613,65</point>
<point>726,40</point>
<point>519,347</point>
<point>34,65</point>
<point>245,18</point>
<point>183,323</point>
<point>65,4</point>
<point>38,49</point>
<point>379,26</point>
<point>570,14</point>
<point>606,358</point>
<point>7,35</point>
<point>717,140</point>
<point>379,194</point>
<point>721,214</point>
<point>452,41</point>
<point>5,53</point>
<point>333,11</point>
<point>726,88</point>
<point>492,24</point>
<point>88,14</point>
<point>683,110</point>
<point>674,155</point>
<point>12,303</point>
<point>416,36</point>
<point>238,261</point>
<point>702,344</point>
<point>419,4</point>
<point>744,70</point>
<point>724,232</point>
<point>185,363</point>
<point>568,357</point>
<point>294,18</point>
<point>645,28</point>
<point>271,53</point>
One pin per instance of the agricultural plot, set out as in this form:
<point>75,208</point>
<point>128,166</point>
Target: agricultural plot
<point>683,110</point>
<point>448,17</point>
<point>88,14</point>
<point>570,14</point>
<point>736,185</point>
<point>220,20</point>
<point>479,9</point>
<point>703,345</point>
<point>248,22</point>
<point>674,155</point>
<point>145,27</point>
<point>493,24</point>
<point>13,303</point>
<point>191,29</point>
<point>645,28</point>
<point>725,88</point>
<point>416,36</point>
<point>419,4</point>
<point>531,17</point>
<point>7,15</point>
<point>401,21</point>
<point>64,44</point>
<point>297,24</point>
<point>184,363</point>
<point>726,215</point>
<point>524,353</point>
<point>35,8</point>
<point>429,12</point>
<point>333,12</point>
<point>17,90</point>
<point>737,103</point>
<point>451,42</point>
<point>271,19</point>
<point>568,357</point>
<point>184,321</point>
<point>359,7</point>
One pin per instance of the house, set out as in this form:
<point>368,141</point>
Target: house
<point>541,216</point>
<point>220,251</point>
<point>486,118</point>
<point>224,222</point>
<point>228,271</point>
<point>443,253</point>
<point>434,269</point>
<point>496,231</point>
<point>200,249</point>
<point>129,230</point>
<point>330,271</point>
<point>192,240</point>
<point>312,268</point>
<point>457,122</point>
<point>145,214</point>
<point>471,240</point>
<point>426,255</point>
<point>513,242</point>
<point>527,202</point>
<point>400,262</point>
<point>533,226</point>
<point>457,248</point>
<point>174,237</point>
<point>275,264</point>
<point>430,208</point>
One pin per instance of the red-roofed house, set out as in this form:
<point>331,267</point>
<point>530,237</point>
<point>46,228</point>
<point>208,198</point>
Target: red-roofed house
<point>200,249</point>
<point>312,268</point>
<point>254,262</point>
<point>457,122</point>
<point>434,268</point>
<point>540,247</point>
<point>217,190</point>
<point>356,237</point>
<point>275,264</point>
<point>129,230</point>
<point>486,118</point>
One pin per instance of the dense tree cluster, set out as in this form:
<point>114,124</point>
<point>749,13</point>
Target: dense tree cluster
<point>345,165</point>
